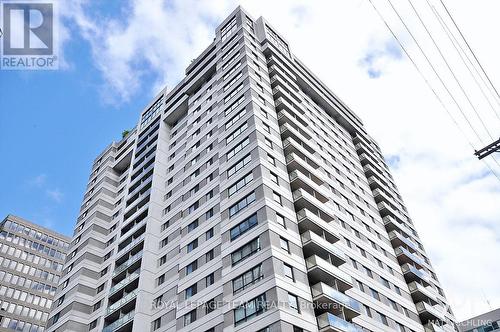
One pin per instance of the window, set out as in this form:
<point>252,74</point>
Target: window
<point>393,304</point>
<point>239,165</point>
<point>210,306</point>
<point>242,204</point>
<point>210,279</point>
<point>243,226</point>
<point>271,159</point>
<point>191,267</point>
<point>158,301</point>
<point>277,197</point>
<point>284,244</point>
<point>191,291</point>
<point>375,294</point>
<point>266,128</point>
<point>161,279</point>
<point>250,309</point>
<point>274,178</point>
<point>190,317</point>
<point>293,302</point>
<point>236,133</point>
<point>269,143</point>
<point>385,282</point>
<point>192,226</point>
<point>209,234</point>
<point>240,184</point>
<point>156,324</point>
<point>245,251</point>
<point>209,214</point>
<point>247,278</point>
<point>235,118</point>
<point>192,245</point>
<point>100,288</point>
<point>280,219</point>
<point>240,146</point>
<point>209,255</point>
<point>97,305</point>
<point>288,271</point>
<point>93,325</point>
<point>383,319</point>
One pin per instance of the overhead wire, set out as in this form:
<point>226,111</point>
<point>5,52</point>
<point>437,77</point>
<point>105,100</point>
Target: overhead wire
<point>449,68</point>
<point>431,87</point>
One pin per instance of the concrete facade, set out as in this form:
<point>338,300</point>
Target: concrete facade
<point>248,198</point>
<point>31,262</point>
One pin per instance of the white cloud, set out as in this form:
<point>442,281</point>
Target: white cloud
<point>450,194</point>
<point>55,194</point>
<point>38,181</point>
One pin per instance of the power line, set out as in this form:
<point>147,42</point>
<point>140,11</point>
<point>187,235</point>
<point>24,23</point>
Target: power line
<point>435,72</point>
<point>449,67</point>
<point>428,84</point>
<point>461,52</point>
<point>470,49</point>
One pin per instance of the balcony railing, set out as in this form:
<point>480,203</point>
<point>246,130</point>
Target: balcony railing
<point>319,244</point>
<point>127,263</point>
<point>322,270</point>
<point>129,297</point>
<point>350,306</point>
<point>328,322</point>
<point>405,256</point>
<point>132,244</point>
<point>421,292</point>
<point>120,322</point>
<point>134,275</point>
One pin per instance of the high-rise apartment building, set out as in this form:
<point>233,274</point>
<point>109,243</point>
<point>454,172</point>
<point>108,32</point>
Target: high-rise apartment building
<point>248,198</point>
<point>31,262</point>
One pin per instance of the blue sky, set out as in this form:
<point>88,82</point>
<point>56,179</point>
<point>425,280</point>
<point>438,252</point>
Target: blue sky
<point>52,125</point>
<point>118,54</point>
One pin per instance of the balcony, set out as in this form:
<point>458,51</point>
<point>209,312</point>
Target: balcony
<point>122,267</point>
<point>391,224</point>
<point>304,200</point>
<point>397,239</point>
<point>334,301</point>
<point>405,256</point>
<point>312,244</point>
<point>291,145</point>
<point>319,224</point>
<point>411,273</point>
<point>288,116</point>
<point>310,183</point>
<point>421,293</point>
<point>303,164</point>
<point>387,210</point>
<point>328,322</point>
<point>121,323</point>
<point>428,312</point>
<point>319,270</point>
<point>431,327</point>
<point>132,244</point>
<point>120,303</point>
<point>131,277</point>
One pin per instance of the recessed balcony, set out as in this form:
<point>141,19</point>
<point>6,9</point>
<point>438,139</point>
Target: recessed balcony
<point>121,324</point>
<point>312,244</point>
<point>328,322</point>
<point>305,166</point>
<point>397,239</point>
<point>428,312</point>
<point>391,224</point>
<point>405,256</point>
<point>421,293</point>
<point>124,282</point>
<point>126,302</point>
<point>328,299</point>
<point>310,183</point>
<point>131,261</point>
<point>291,145</point>
<point>387,210</point>
<point>320,270</point>
<point>304,200</point>
<point>318,223</point>
<point>411,273</point>
<point>431,327</point>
